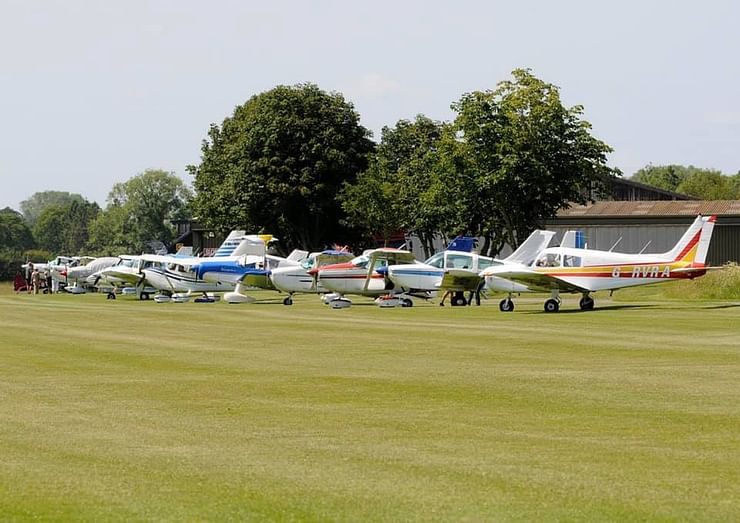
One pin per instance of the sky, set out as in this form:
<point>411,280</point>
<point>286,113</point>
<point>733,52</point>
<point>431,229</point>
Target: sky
<point>95,92</point>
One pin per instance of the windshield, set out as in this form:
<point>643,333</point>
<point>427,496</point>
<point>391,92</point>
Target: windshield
<point>436,260</point>
<point>308,263</point>
<point>360,261</point>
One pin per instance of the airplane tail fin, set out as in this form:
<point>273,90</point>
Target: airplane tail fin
<point>531,247</point>
<point>694,244</point>
<point>574,240</point>
<point>252,245</point>
<point>462,244</point>
<point>231,242</point>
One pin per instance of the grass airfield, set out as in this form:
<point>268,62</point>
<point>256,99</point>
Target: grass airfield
<point>136,410</point>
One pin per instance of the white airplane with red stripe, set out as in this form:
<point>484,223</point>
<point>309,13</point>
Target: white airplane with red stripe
<point>571,270</point>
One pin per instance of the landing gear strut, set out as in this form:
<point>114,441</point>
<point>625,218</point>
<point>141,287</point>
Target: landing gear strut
<point>553,304</point>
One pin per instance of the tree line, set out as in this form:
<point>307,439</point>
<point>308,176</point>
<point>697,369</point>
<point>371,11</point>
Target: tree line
<point>295,161</point>
<point>58,222</point>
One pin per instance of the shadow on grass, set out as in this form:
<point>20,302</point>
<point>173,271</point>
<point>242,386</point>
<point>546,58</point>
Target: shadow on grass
<point>722,306</point>
<point>597,309</point>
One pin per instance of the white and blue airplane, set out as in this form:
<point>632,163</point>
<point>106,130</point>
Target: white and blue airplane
<point>181,276</point>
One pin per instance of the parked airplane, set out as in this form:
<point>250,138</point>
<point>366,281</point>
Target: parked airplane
<point>567,269</point>
<point>457,269</point>
<point>79,276</point>
<point>127,273</point>
<point>294,279</point>
<point>360,276</point>
<point>173,274</point>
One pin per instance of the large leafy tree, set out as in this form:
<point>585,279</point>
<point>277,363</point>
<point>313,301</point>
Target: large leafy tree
<point>139,210</point>
<point>278,163</point>
<point>33,206</point>
<point>526,156</point>
<point>390,196</point>
<point>64,228</point>
<point>15,234</point>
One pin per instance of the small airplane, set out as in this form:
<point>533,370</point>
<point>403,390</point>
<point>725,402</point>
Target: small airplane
<point>83,276</point>
<point>360,276</point>
<point>126,273</point>
<point>583,271</point>
<point>293,279</point>
<point>457,269</point>
<point>175,275</point>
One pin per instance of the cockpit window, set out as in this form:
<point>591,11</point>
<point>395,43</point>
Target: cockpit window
<point>459,261</point>
<point>360,261</point>
<point>571,261</point>
<point>486,262</point>
<point>308,263</point>
<point>436,260</point>
<point>550,259</point>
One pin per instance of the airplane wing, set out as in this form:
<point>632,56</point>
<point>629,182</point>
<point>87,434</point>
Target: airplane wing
<point>257,278</point>
<point>531,247</point>
<point>460,279</point>
<point>127,277</point>
<point>537,281</point>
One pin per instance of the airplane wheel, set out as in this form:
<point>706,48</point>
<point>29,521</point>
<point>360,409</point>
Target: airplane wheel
<point>552,306</point>
<point>144,296</point>
<point>506,305</point>
<point>587,303</point>
<point>111,295</point>
<point>406,302</point>
<point>458,300</point>
<point>288,301</point>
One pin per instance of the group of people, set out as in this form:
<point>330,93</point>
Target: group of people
<point>35,281</point>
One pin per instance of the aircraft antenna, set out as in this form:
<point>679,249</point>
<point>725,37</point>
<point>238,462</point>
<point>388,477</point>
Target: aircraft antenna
<point>646,246</point>
<point>615,244</point>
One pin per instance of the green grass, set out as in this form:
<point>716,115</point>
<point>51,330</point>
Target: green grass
<point>126,410</point>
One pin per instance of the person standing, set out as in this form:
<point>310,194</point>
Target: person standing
<point>36,279</point>
<point>29,279</point>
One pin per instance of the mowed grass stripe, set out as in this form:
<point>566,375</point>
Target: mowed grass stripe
<point>122,409</point>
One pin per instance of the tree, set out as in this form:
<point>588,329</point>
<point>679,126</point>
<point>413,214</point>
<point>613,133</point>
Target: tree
<point>14,232</point>
<point>33,206</point>
<point>707,184</point>
<point>389,196</point>
<point>139,210</point>
<point>63,228</point>
<point>527,156</point>
<point>278,163</point>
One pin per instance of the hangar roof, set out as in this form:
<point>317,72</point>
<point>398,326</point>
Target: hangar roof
<point>653,208</point>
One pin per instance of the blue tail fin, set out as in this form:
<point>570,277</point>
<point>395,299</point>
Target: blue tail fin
<point>462,244</point>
